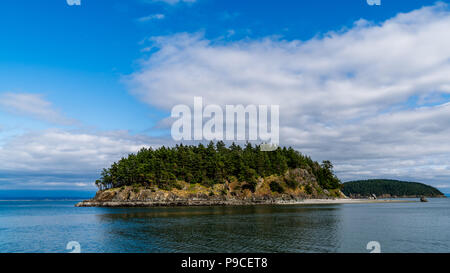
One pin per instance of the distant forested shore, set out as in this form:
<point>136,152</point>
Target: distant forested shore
<point>388,188</point>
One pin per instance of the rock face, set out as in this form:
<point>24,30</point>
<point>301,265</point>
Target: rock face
<point>192,201</point>
<point>228,193</point>
<point>146,198</point>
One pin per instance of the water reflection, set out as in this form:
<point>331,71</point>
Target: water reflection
<point>399,227</point>
<point>222,229</point>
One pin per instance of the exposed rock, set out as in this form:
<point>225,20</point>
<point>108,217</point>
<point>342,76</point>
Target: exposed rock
<point>228,193</point>
<point>170,199</point>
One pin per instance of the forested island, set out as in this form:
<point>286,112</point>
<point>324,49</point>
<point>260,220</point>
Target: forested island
<point>214,175</point>
<point>385,188</point>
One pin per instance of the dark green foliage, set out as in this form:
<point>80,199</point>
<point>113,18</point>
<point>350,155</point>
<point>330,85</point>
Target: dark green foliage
<point>210,165</point>
<point>308,189</point>
<point>276,187</point>
<point>325,175</point>
<point>135,188</point>
<point>392,187</point>
<point>291,181</point>
<point>250,186</point>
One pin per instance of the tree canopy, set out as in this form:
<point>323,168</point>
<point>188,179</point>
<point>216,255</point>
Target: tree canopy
<point>209,165</point>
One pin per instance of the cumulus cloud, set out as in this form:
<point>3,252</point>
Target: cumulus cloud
<point>34,106</point>
<point>356,96</point>
<point>56,150</point>
<point>56,157</point>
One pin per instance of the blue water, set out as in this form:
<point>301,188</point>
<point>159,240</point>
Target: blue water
<point>47,226</point>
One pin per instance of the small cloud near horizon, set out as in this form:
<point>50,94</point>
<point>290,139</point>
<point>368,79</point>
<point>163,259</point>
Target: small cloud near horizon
<point>151,17</point>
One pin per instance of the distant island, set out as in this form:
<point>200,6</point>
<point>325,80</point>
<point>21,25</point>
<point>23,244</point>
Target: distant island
<point>385,188</point>
<point>214,175</point>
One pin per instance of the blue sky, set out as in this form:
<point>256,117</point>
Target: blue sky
<point>100,72</point>
<point>77,55</point>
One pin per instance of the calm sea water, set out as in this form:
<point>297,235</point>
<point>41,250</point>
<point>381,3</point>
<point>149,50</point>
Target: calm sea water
<point>47,226</point>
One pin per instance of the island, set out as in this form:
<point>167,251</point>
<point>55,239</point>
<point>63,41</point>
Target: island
<point>214,174</point>
<point>386,188</point>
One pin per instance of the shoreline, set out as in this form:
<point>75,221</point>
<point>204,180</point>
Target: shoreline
<point>210,203</point>
<point>355,201</point>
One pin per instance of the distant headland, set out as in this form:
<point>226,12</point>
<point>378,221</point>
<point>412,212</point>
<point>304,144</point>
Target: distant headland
<point>385,188</point>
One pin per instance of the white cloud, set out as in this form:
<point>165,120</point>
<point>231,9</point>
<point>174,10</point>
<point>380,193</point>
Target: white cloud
<point>347,96</point>
<point>57,158</point>
<point>56,151</point>
<point>34,106</point>
<point>151,17</point>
